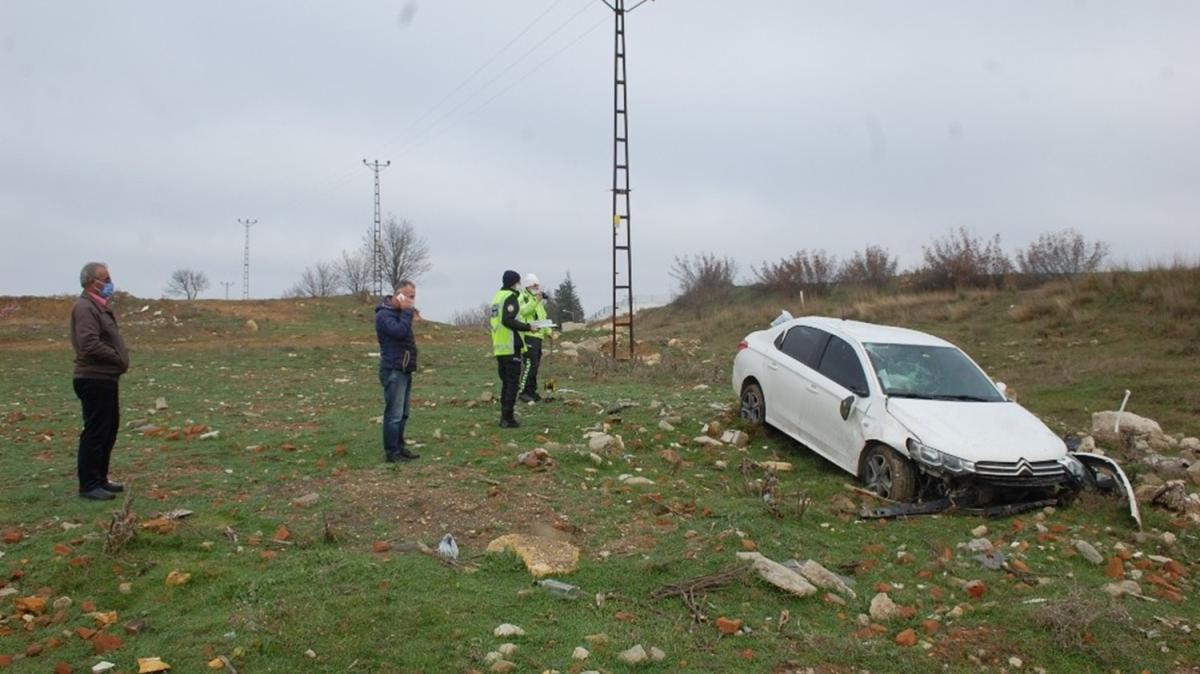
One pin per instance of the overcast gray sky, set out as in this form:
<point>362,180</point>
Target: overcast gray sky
<point>137,132</point>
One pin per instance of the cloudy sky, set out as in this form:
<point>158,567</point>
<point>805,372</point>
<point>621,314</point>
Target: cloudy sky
<point>138,131</point>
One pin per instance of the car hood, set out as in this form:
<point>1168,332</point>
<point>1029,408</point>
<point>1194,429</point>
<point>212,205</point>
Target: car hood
<point>976,431</point>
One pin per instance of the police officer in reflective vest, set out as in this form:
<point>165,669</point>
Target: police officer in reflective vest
<point>533,308</point>
<point>507,344</point>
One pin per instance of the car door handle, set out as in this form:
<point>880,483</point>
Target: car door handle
<point>812,388</point>
<point>773,365</point>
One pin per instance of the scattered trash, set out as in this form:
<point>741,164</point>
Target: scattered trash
<point>560,589</point>
<point>448,547</point>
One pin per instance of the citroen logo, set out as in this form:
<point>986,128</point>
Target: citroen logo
<point>1023,467</point>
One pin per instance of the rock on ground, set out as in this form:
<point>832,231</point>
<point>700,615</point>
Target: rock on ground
<point>1104,422</point>
<point>779,575</point>
<point>542,556</point>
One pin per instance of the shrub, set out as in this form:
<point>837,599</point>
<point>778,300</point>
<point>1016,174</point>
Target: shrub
<point>1061,254</point>
<point>961,260</point>
<point>813,272</point>
<point>873,267</point>
<point>705,272</point>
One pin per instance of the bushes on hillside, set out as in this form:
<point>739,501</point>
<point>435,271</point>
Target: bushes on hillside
<point>873,267</point>
<point>813,272</point>
<point>1061,254</point>
<point>703,272</point>
<point>962,260</point>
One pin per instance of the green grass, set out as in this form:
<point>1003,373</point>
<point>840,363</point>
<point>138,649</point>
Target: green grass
<point>296,401</point>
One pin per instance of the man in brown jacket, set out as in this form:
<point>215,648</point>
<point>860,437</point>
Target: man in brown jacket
<point>100,360</point>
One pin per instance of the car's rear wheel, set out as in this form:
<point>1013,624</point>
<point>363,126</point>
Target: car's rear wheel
<point>887,473</point>
<point>754,405</point>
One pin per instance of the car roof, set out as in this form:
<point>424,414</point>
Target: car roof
<point>871,332</point>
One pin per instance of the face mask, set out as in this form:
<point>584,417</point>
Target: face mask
<point>107,290</point>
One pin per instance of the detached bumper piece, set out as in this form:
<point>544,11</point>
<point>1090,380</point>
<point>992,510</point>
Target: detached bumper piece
<point>947,505</point>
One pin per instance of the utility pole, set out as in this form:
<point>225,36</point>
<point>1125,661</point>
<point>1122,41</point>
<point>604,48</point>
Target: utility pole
<point>377,232</point>
<point>227,284</point>
<point>246,258</point>
<point>622,248</point>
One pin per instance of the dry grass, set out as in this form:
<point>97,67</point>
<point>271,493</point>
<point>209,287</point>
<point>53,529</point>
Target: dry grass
<point>1072,620</point>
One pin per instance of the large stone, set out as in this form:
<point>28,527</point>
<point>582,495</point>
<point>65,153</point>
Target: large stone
<point>779,575</point>
<point>823,578</point>
<point>542,556</point>
<point>736,438</point>
<point>1088,551</point>
<point>1103,424</point>
<point>634,655</point>
<point>1194,473</point>
<point>883,609</point>
<point>1190,444</point>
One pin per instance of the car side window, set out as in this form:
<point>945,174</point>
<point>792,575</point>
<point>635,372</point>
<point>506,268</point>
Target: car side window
<point>805,344</point>
<point>841,364</point>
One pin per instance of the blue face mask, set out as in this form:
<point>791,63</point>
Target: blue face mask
<point>107,290</point>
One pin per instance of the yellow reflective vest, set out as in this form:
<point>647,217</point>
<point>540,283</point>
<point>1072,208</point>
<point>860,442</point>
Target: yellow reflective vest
<point>533,309</point>
<point>505,341</point>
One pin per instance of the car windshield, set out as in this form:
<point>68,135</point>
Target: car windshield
<point>929,372</point>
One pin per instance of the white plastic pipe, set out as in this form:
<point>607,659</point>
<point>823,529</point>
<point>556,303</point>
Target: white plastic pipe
<point>1117,423</point>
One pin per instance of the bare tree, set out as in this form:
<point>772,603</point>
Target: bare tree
<point>874,267</point>
<point>1061,254</point>
<point>319,280</point>
<point>405,253</point>
<point>353,271</point>
<point>472,318</point>
<point>812,271</point>
<point>186,283</point>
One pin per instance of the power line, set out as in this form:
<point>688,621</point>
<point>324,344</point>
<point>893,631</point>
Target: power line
<point>246,258</point>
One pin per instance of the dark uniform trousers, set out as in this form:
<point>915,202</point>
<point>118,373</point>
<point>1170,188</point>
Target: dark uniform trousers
<point>533,359</point>
<point>101,419</point>
<point>510,380</point>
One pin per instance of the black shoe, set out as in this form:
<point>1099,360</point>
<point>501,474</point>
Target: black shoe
<point>526,398</point>
<point>509,423</point>
<point>114,487</point>
<point>407,455</point>
<point>536,396</point>
<point>97,494</point>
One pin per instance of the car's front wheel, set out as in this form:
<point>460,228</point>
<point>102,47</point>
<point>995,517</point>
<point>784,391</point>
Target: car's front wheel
<point>754,405</point>
<point>887,473</point>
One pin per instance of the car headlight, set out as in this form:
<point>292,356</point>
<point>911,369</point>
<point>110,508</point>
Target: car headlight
<point>1073,466</point>
<point>935,458</point>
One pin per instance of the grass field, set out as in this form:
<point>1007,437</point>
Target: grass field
<point>336,585</point>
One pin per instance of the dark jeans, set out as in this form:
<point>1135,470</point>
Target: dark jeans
<point>397,389</point>
<point>532,358</point>
<point>101,418</point>
<point>510,378</point>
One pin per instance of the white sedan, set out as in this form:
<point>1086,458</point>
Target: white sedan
<point>909,414</point>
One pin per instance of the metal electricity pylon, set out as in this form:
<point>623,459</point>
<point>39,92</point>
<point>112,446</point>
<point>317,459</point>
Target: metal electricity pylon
<point>622,248</point>
<point>377,232</point>
<point>227,284</point>
<point>246,258</point>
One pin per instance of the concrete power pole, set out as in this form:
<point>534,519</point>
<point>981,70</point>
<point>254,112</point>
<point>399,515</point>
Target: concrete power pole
<point>377,232</point>
<point>227,284</point>
<point>246,258</point>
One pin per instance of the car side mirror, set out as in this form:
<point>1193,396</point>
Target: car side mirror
<point>1002,388</point>
<point>847,407</point>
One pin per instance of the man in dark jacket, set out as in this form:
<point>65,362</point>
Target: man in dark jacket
<point>100,360</point>
<point>397,362</point>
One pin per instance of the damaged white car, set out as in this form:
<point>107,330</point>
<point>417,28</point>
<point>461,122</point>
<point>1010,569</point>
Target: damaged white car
<point>908,413</point>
